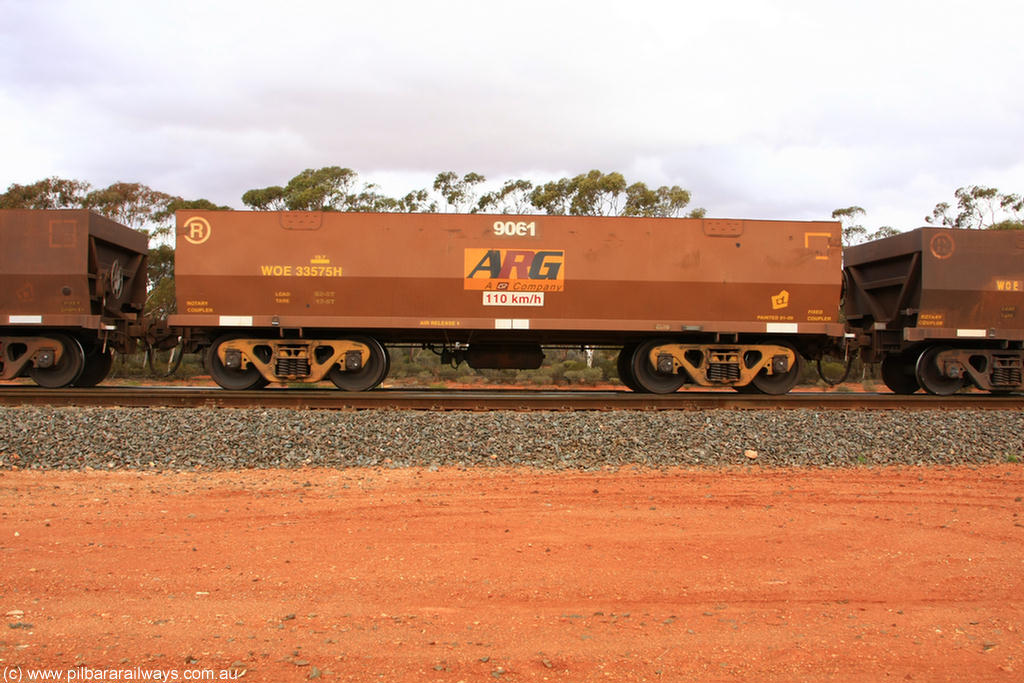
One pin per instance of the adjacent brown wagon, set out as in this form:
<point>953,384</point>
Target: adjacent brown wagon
<point>940,309</point>
<point>72,289</point>
<point>307,296</point>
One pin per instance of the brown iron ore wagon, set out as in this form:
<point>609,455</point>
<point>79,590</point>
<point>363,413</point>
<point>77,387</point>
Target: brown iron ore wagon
<point>304,296</point>
<point>72,289</point>
<point>941,309</point>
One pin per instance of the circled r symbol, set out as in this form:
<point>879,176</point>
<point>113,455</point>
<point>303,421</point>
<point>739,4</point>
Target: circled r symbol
<point>196,230</point>
<point>942,246</point>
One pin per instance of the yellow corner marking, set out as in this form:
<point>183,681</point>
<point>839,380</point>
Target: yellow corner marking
<point>820,256</point>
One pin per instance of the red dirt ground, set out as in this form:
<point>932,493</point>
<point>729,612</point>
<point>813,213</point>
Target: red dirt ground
<point>515,575</point>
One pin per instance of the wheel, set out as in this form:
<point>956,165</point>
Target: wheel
<point>367,377</point>
<point>64,372</point>
<point>780,382</point>
<point>97,367</point>
<point>624,366</point>
<point>647,379</point>
<point>231,378</point>
<point>930,376</point>
<point>898,373</point>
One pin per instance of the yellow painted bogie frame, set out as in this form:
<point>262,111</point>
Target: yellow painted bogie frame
<point>768,361</point>
<point>293,349</point>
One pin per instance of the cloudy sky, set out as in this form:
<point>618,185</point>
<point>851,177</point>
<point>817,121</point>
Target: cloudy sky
<point>762,109</point>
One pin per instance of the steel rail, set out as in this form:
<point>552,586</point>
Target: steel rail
<point>491,399</point>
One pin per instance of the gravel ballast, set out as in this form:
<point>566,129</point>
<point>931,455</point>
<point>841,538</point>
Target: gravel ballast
<point>169,438</point>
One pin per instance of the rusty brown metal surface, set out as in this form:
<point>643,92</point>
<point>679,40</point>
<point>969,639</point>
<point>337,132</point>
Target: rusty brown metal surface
<point>392,399</point>
<point>935,283</point>
<point>415,276</point>
<point>69,269</point>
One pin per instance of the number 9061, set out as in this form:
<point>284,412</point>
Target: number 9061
<point>515,229</point>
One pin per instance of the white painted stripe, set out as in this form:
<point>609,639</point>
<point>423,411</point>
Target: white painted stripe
<point>971,333</point>
<point>236,321</point>
<point>25,319</point>
<point>782,328</point>
<point>511,324</point>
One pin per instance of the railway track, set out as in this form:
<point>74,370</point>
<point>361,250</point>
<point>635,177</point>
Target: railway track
<point>492,399</point>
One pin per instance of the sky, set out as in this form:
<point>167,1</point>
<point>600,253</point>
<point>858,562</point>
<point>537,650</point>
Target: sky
<point>762,109</point>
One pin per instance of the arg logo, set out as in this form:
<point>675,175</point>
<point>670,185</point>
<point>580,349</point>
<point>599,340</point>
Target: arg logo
<point>515,270</point>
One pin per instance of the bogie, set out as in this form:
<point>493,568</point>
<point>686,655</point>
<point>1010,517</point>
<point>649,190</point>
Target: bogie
<point>354,364</point>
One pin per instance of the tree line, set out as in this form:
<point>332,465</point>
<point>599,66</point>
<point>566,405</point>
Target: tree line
<point>977,207</point>
<point>595,193</point>
<point>133,204</point>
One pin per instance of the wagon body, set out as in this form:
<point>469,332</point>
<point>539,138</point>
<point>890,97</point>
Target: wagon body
<point>550,278</point>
